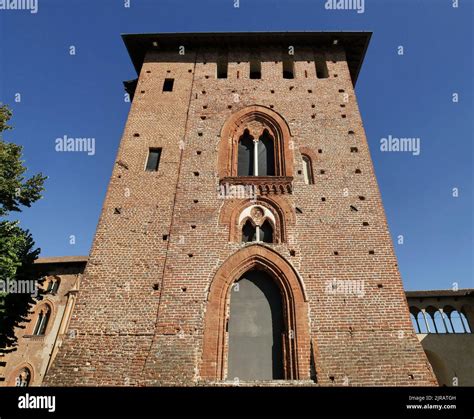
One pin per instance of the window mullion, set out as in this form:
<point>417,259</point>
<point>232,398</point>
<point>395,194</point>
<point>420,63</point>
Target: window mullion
<point>38,323</point>
<point>255,159</point>
<point>41,331</point>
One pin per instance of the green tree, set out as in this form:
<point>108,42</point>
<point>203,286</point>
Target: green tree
<point>17,248</point>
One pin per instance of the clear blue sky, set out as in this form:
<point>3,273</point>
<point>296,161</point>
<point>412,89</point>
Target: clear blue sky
<point>402,96</point>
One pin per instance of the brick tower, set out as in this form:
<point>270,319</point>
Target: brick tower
<point>243,235</point>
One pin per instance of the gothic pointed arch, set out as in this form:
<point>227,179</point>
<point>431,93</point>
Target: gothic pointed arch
<point>42,318</point>
<point>296,337</point>
<point>23,375</point>
<point>274,151</point>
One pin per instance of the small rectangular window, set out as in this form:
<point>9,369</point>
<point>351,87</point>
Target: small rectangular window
<point>222,68</point>
<point>168,85</point>
<point>255,69</point>
<point>288,69</point>
<point>153,159</point>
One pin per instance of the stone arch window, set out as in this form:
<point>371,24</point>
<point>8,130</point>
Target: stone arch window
<point>257,224</point>
<point>53,285</point>
<point>457,320</point>
<point>429,315</point>
<point>448,311</point>
<point>307,170</point>
<point>439,320</point>
<point>23,377</point>
<point>421,320</point>
<point>256,155</point>
<point>255,142</point>
<point>42,320</point>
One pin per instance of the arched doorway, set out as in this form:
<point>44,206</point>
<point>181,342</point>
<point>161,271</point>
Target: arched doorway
<point>296,343</point>
<point>256,328</point>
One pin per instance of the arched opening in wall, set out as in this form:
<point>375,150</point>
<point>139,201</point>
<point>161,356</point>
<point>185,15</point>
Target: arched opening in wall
<point>266,155</point>
<point>256,158</point>
<point>23,378</point>
<point>291,307</point>
<point>439,368</point>
<point>249,232</point>
<point>430,319</point>
<point>246,157</point>
<point>456,321</point>
<point>258,224</point>
<point>447,322</point>
<point>256,327</point>
<point>422,324</point>
<point>266,232</point>
<point>255,141</point>
<point>53,285</point>
<point>414,322</point>
<point>307,170</point>
<point>42,320</point>
<point>439,322</point>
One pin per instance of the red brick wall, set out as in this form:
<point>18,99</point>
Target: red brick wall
<point>131,334</point>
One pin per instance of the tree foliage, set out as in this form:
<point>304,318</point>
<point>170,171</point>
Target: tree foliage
<point>17,247</point>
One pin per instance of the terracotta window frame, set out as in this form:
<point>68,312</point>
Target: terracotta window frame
<point>296,342</point>
<point>255,119</point>
<point>12,382</point>
<point>39,316</point>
